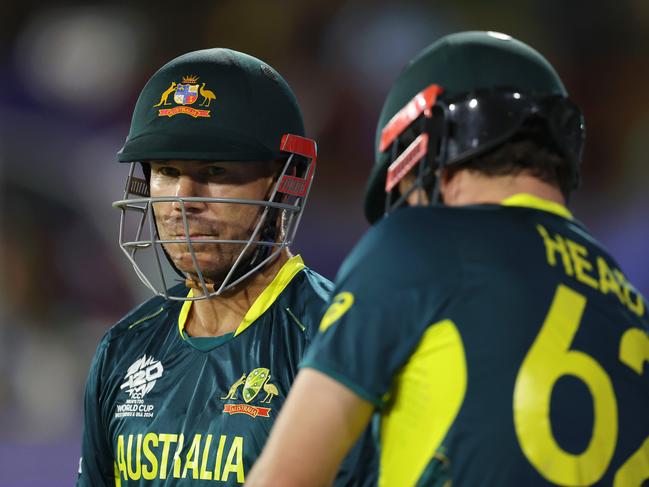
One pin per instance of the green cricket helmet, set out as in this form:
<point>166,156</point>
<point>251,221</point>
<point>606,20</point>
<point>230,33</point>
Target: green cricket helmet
<point>217,105</point>
<point>460,97</point>
<point>212,105</point>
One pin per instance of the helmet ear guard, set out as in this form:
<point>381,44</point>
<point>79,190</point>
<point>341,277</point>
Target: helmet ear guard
<point>292,186</point>
<point>288,196</point>
<point>445,131</point>
<point>468,65</point>
<point>409,135</point>
<point>299,184</point>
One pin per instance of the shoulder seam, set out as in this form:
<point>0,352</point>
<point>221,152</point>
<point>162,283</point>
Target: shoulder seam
<point>146,318</point>
<point>296,320</point>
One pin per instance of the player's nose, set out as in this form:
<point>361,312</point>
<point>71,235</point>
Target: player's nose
<point>188,187</point>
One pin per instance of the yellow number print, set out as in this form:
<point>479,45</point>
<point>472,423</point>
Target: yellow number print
<point>549,359</point>
<point>634,349</point>
<point>634,352</point>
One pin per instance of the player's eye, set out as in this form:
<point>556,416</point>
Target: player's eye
<point>167,171</point>
<point>214,170</point>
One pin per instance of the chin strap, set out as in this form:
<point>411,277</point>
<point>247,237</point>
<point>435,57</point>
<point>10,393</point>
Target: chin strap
<point>194,284</point>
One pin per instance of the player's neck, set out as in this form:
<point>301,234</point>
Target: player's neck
<point>223,314</point>
<point>471,188</point>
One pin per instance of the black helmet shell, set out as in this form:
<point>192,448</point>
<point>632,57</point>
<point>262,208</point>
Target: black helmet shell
<point>460,63</point>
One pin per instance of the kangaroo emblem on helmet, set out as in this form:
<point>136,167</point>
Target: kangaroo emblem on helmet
<point>165,95</point>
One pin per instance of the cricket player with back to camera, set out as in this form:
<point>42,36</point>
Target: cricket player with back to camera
<point>497,341</point>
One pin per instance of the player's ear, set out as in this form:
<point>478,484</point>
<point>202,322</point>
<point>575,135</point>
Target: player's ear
<point>449,184</point>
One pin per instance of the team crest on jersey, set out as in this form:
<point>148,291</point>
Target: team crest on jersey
<point>139,380</point>
<point>252,384</point>
<point>186,92</point>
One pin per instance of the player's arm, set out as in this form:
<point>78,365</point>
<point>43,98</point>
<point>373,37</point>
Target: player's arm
<point>317,426</point>
<point>364,339</point>
<point>96,466</point>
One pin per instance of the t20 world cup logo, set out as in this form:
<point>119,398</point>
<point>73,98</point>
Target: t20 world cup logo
<point>141,377</point>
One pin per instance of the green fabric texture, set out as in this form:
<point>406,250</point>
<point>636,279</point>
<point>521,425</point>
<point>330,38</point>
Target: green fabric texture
<point>460,63</point>
<point>201,429</point>
<point>205,344</point>
<point>492,272</point>
<point>213,104</point>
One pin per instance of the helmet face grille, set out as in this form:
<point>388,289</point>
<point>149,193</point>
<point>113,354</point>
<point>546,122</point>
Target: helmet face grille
<point>406,161</point>
<point>145,249</point>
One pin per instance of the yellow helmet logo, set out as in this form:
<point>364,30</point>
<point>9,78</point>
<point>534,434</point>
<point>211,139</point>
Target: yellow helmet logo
<point>186,93</point>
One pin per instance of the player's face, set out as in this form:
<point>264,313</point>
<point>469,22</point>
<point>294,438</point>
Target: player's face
<point>222,221</point>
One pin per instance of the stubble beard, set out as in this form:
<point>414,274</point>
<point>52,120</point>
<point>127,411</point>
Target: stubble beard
<point>214,260</point>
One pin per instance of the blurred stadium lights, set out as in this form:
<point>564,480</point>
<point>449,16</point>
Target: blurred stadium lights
<point>85,57</point>
<point>72,73</point>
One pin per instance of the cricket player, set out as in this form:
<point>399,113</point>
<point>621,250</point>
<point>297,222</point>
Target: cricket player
<point>184,389</point>
<point>498,342</point>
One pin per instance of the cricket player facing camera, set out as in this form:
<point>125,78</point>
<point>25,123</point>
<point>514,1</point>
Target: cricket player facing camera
<point>185,388</point>
<point>497,341</point>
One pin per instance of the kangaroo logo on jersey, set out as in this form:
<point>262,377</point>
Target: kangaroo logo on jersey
<point>186,93</point>
<point>139,380</point>
<point>256,381</point>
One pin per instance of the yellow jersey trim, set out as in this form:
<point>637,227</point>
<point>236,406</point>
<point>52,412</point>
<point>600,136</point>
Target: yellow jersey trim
<point>271,293</point>
<point>530,201</point>
<point>262,303</point>
<point>184,313</point>
<point>428,393</point>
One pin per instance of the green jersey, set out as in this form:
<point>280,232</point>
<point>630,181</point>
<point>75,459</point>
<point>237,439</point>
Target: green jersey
<point>163,408</point>
<point>501,345</point>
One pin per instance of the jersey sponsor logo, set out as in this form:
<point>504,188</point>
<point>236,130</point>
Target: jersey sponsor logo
<point>339,306</point>
<point>254,382</point>
<point>186,93</point>
<point>139,380</point>
<point>153,456</point>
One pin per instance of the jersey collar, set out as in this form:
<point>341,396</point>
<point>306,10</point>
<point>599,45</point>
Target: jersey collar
<point>527,200</point>
<point>262,303</point>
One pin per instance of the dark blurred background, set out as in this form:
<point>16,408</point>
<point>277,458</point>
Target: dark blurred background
<point>72,72</point>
